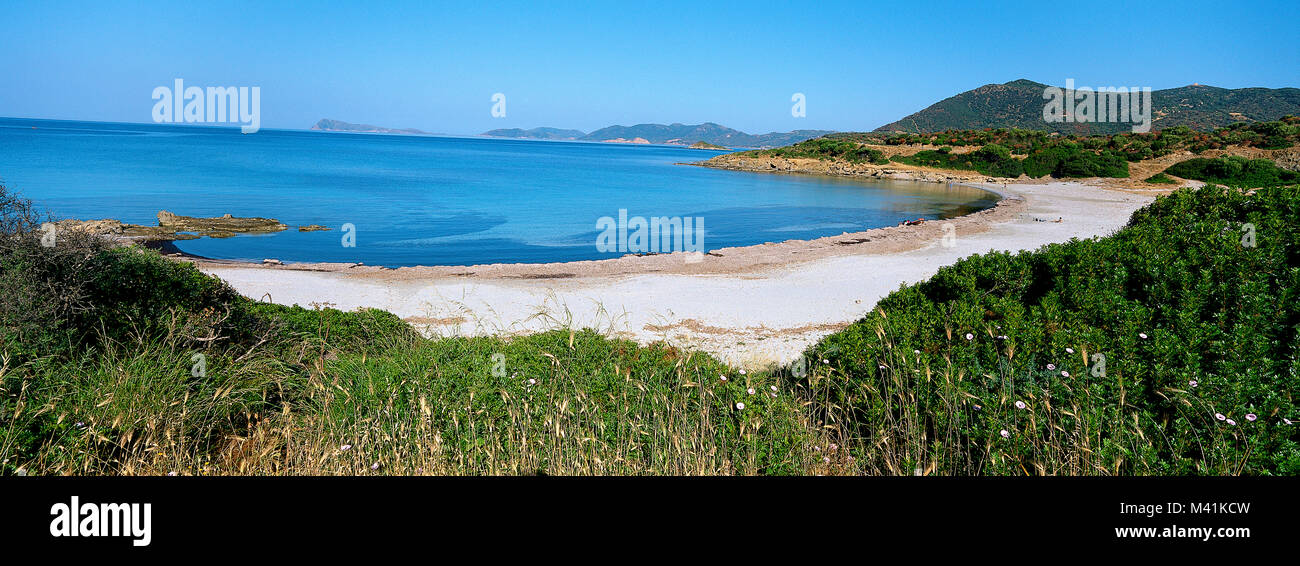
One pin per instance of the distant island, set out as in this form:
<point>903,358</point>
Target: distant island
<point>537,134</point>
<point>1019,104</point>
<point>328,125</point>
<point>705,145</point>
<point>713,135</point>
<point>710,133</point>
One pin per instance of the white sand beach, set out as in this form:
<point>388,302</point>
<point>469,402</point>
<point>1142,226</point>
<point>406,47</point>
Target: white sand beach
<point>749,306</point>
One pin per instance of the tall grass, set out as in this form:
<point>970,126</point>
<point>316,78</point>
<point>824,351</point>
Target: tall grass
<point>571,403</point>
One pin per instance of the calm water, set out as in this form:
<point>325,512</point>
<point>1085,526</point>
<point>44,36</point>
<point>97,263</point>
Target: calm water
<point>430,200</point>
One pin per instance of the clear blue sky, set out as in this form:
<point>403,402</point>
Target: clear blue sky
<point>435,66</point>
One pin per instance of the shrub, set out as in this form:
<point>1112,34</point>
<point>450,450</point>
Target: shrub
<point>823,148</point>
<point>331,328</point>
<point>1234,171</point>
<point>45,276</point>
<point>1068,160</point>
<point>1193,321</point>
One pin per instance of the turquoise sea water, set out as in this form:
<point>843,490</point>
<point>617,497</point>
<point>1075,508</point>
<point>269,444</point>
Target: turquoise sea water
<point>431,200</point>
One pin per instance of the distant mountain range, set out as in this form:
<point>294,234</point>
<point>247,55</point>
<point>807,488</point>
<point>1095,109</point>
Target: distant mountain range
<point>680,134</point>
<point>1016,104</point>
<point>1019,104</point>
<point>327,125</point>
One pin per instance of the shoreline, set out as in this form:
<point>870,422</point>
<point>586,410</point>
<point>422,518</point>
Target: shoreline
<point>727,260</point>
<point>720,261</point>
<point>750,306</point>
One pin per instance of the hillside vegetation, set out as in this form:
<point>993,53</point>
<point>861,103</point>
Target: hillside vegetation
<point>1007,152</point>
<point>1019,104</point>
<point>1168,348</point>
<point>1234,171</point>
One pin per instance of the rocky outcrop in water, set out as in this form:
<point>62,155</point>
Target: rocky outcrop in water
<point>218,227</point>
<point>176,227</point>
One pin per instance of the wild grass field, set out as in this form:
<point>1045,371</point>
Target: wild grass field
<point>1166,348</point>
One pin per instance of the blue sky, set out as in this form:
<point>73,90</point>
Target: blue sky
<point>434,66</point>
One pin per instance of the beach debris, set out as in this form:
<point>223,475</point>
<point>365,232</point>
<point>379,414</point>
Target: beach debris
<point>272,261</point>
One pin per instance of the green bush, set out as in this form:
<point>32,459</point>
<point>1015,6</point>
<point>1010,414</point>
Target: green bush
<point>1065,160</point>
<point>1193,306</point>
<point>1069,160</point>
<point>134,285</point>
<point>822,148</point>
<point>332,328</point>
<point>44,279</point>
<point>1234,171</point>
<point>991,159</point>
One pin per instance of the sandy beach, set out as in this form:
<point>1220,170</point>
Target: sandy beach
<point>750,306</point>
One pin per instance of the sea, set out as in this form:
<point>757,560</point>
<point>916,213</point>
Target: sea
<point>403,200</point>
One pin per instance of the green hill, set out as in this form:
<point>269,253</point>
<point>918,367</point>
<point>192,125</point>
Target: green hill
<point>1019,104</point>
